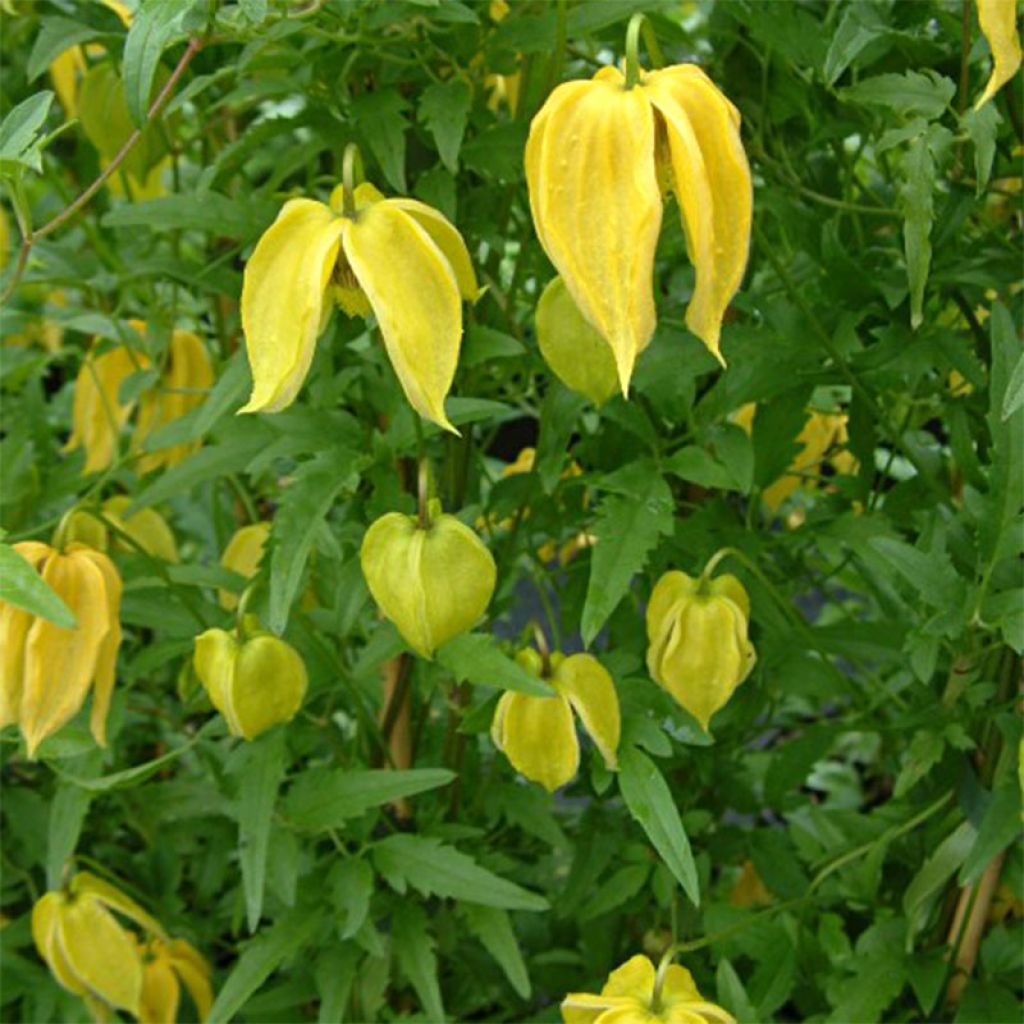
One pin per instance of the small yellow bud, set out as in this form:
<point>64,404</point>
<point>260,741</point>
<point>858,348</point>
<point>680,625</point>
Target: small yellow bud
<point>698,647</point>
<point>432,582</point>
<point>243,555</point>
<point>146,527</point>
<point>255,684</point>
<point>576,353</point>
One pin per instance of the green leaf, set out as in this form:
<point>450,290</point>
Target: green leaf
<point>198,211</point>
<point>732,995</point>
<point>701,467</point>
<point>621,886</point>
<point>260,767</point>
<point>155,26</point>
<point>55,36</point>
<point>335,973</point>
<point>382,124</point>
<point>261,958</point>
<point>20,138</point>
<point>324,798</point>
<point>68,811</point>
<point>476,658</point>
<point>23,587</point>
<point>414,949</point>
<point>432,868</point>
<point>927,93</point>
<point>999,827</point>
<point>628,527</point>
<point>650,803</point>
<point>351,884</point>
<point>861,25</point>
<point>916,201</point>
<point>493,928</point>
<point>497,153</point>
<point>1013,397</point>
<point>983,126</point>
<point>932,575</point>
<point>303,507</point>
<point>931,880</point>
<point>444,108</point>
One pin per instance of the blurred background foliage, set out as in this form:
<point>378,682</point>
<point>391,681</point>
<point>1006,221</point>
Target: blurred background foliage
<point>854,821</point>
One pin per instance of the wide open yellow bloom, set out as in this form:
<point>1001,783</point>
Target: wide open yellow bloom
<point>628,997</point>
<point>87,948</point>
<point>397,257</point>
<point>998,20</point>
<point>46,671</point>
<point>598,158</point>
<point>698,648</point>
<point>166,966</point>
<point>537,734</point>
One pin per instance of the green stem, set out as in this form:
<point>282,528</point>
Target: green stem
<point>351,170</point>
<point>637,24</point>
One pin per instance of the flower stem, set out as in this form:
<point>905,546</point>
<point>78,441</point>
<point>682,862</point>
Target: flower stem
<point>637,24</point>
<point>351,170</point>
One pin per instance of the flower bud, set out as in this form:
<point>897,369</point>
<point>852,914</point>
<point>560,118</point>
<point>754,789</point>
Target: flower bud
<point>255,684</point>
<point>146,527</point>
<point>243,555</point>
<point>432,582</point>
<point>576,353</point>
<point>698,647</point>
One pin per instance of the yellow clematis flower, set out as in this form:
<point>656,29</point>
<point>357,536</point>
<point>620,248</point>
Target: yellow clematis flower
<point>698,648</point>
<point>146,527</point>
<point>253,678</point>
<point>243,555</point>
<point>186,380</point>
<point>86,947</point>
<point>166,966</point>
<point>397,257</point>
<point>634,994</point>
<point>537,734</point>
<point>998,20</point>
<point>46,671</point>
<point>598,159</point>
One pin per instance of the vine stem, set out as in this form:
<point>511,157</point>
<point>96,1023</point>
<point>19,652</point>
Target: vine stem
<point>30,239</point>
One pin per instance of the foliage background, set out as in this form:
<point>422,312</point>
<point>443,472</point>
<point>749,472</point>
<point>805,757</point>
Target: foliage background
<point>867,771</point>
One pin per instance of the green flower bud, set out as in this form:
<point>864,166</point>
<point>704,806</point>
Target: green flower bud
<point>432,582</point>
<point>254,684</point>
<point>577,355</point>
<point>698,647</point>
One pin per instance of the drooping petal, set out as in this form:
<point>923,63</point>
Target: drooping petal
<point>267,685</point>
<point>60,663</point>
<point>713,186</point>
<point>539,738</point>
<point>447,238</point>
<point>672,588</point>
<point>215,654</point>
<point>584,1008</point>
<point>146,527</point>
<point>728,586</point>
<point>635,978</point>
<point>998,20</point>
<point>194,972</point>
<point>698,1012</point>
<point>596,205</point>
<point>85,883</point>
<point>588,687</point>
<point>44,933</point>
<point>415,297</point>
<point>158,1003</point>
<point>14,626</point>
<point>283,292</point>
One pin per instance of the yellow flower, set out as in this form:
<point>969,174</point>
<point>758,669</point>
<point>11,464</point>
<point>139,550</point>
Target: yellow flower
<point>537,734</point>
<point>255,682</point>
<point>397,257</point>
<point>998,20</point>
<point>97,414</point>
<point>629,997</point>
<point>166,965</point>
<point>698,648</point>
<point>186,379</point>
<point>598,158</point>
<point>243,555</point>
<point>432,580</point>
<point>146,527</point>
<point>47,670</point>
<point>87,949</point>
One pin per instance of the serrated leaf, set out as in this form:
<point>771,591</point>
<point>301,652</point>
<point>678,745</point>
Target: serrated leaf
<point>860,26</point>
<point>324,798</point>
<point>627,529</point>
<point>382,124</point>
<point>23,587</point>
<point>260,767</point>
<point>701,467</point>
<point>918,212</point>
<point>650,803</point>
<point>20,138</point>
<point>913,92</point>
<point>351,883</point>
<point>414,948</point>
<point>156,24</point>
<point>434,869</point>
<point>982,125</point>
<point>932,575</point>
<point>262,956</point>
<point>200,211</point>
<point>476,658</point>
<point>444,109</point>
<point>303,507</point>
<point>493,928</point>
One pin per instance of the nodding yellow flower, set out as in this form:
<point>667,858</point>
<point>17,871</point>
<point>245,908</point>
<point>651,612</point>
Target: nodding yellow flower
<point>86,947</point>
<point>635,994</point>
<point>47,670</point>
<point>146,527</point>
<point>184,384</point>
<point>538,735</point>
<point>998,20</point>
<point>97,414</point>
<point>243,555</point>
<point>255,680</point>
<point>598,159</point>
<point>397,257</point>
<point>698,648</point>
<point>166,966</point>
<point>433,580</point>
